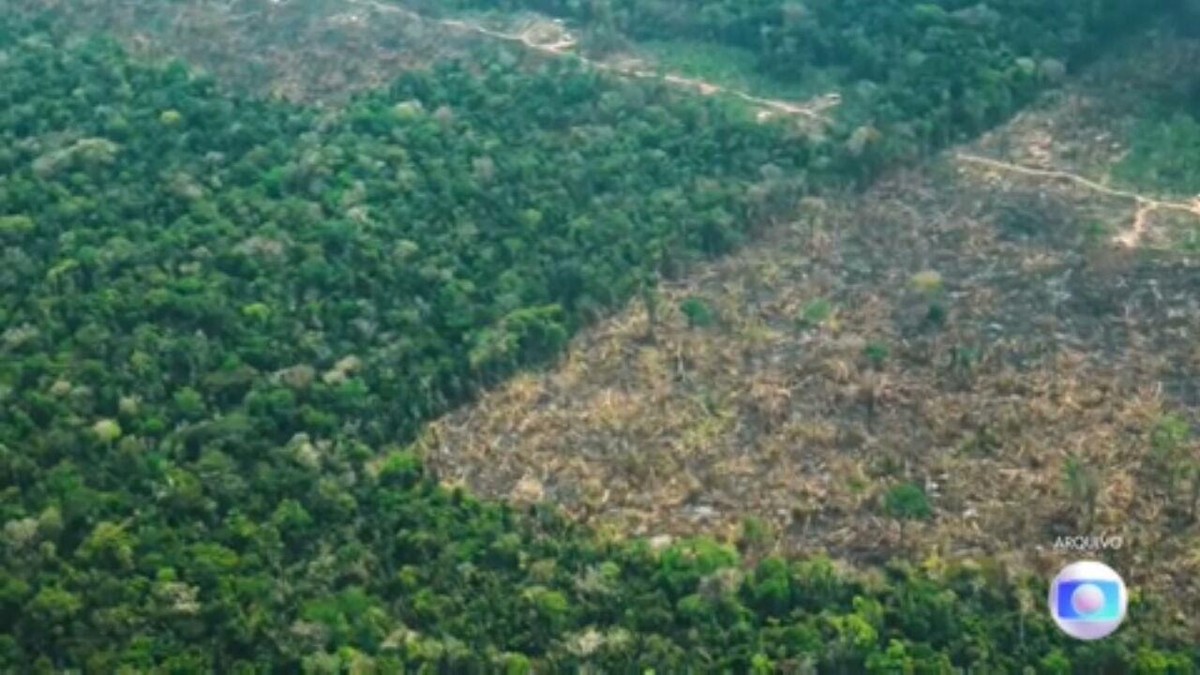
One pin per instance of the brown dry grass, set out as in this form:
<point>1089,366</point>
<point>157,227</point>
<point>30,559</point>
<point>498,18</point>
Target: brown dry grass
<point>1081,345</point>
<point>317,52</point>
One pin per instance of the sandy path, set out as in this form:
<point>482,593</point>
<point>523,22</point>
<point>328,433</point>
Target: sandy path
<point>767,107</point>
<point>1131,236</point>
<point>814,110</point>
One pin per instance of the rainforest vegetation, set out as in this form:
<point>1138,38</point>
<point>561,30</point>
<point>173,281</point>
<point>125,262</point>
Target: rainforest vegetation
<point>223,319</point>
<point>918,74</point>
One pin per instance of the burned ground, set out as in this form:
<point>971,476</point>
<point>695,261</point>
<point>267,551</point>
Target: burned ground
<point>974,330</point>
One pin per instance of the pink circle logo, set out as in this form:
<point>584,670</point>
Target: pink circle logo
<point>1088,600</point>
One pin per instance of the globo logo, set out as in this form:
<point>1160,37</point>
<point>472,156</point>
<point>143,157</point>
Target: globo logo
<point>1088,600</point>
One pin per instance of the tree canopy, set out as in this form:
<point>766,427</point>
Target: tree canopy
<point>224,318</point>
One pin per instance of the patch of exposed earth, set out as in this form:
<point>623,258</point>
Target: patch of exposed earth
<point>315,51</point>
<point>323,51</point>
<point>1018,327</point>
<point>966,326</point>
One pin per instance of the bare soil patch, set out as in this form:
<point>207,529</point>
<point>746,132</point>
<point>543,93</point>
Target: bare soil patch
<point>1052,333</point>
<point>1048,337</point>
<point>315,52</point>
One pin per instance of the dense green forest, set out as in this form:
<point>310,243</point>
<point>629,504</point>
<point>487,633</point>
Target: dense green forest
<point>223,318</point>
<point>918,75</point>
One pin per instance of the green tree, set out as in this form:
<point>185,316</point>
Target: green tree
<point>906,502</point>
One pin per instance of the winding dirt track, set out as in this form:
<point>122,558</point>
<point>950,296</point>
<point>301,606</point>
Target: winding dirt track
<point>1145,205</point>
<point>767,107</point>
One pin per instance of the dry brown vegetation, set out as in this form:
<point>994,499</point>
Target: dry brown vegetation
<point>1056,343</point>
<point>315,51</point>
<point>322,51</point>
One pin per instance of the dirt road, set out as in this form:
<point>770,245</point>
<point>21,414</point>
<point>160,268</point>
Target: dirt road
<point>814,110</point>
